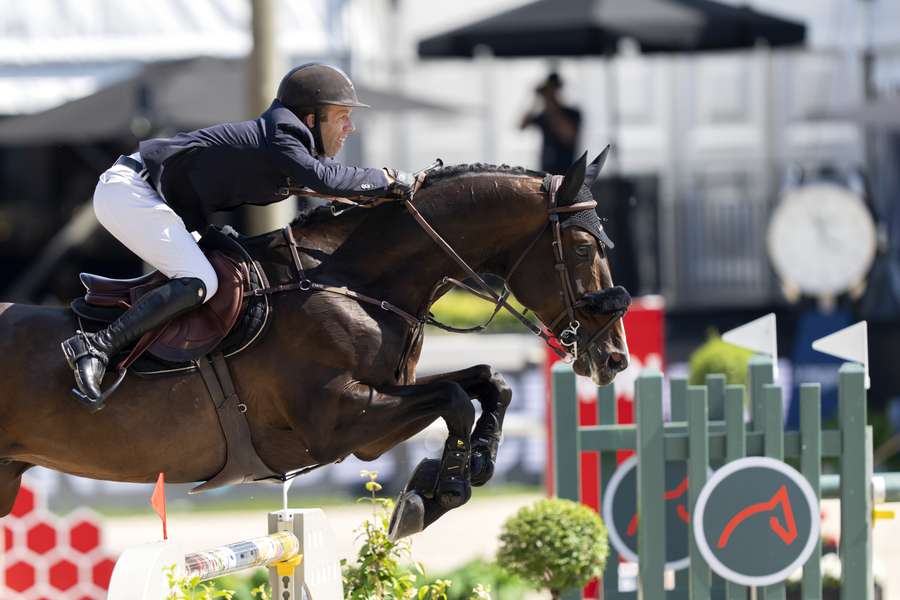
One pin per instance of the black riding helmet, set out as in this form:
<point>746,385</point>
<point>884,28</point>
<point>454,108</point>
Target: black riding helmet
<point>314,84</point>
<point>307,88</point>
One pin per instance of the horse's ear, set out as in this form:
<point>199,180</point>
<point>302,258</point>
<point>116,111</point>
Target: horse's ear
<point>572,182</point>
<point>593,169</point>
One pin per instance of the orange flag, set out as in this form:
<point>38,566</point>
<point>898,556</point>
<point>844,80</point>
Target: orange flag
<point>158,502</point>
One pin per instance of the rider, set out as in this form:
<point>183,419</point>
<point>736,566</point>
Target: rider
<point>152,200</point>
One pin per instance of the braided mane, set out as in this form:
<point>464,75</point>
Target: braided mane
<point>477,168</point>
<point>323,213</point>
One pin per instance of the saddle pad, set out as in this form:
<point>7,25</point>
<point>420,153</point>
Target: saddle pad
<point>197,332</point>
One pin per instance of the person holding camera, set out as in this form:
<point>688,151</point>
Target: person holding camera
<point>559,124</point>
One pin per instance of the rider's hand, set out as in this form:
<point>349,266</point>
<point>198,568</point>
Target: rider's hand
<point>400,183</point>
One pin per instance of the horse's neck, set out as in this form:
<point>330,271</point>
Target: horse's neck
<point>387,254</point>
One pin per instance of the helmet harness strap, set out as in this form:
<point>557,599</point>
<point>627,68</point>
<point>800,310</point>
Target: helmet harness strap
<point>316,130</point>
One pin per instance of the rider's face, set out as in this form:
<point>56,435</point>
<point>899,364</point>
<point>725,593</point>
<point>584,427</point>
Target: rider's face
<point>335,125</point>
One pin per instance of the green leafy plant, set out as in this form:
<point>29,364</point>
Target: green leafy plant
<point>186,588</point>
<point>234,587</point>
<point>554,544</point>
<point>486,575</point>
<point>717,356</point>
<point>380,572</point>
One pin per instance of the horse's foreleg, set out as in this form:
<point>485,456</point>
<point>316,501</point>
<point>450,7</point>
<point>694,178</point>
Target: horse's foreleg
<point>437,485</point>
<point>420,403</point>
<point>10,480</point>
<point>489,387</point>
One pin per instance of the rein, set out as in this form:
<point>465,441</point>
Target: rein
<point>568,338</point>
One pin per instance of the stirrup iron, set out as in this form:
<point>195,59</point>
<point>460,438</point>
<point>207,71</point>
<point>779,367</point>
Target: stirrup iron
<point>99,403</point>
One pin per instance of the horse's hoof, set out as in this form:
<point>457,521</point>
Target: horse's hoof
<point>481,466</point>
<point>408,516</point>
<point>453,493</point>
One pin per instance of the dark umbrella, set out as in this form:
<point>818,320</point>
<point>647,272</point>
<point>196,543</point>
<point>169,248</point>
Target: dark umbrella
<point>594,27</point>
<point>178,95</point>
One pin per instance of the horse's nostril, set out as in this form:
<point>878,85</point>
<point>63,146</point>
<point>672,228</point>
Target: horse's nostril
<point>617,361</point>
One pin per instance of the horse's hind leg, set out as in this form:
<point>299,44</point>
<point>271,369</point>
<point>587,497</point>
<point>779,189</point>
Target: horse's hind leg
<point>10,480</point>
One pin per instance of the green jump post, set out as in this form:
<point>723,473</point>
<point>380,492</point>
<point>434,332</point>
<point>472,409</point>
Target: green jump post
<point>735,448</point>
<point>566,471</point>
<point>773,444</point>
<point>856,487</point>
<point>651,478</point>
<point>608,415</point>
<point>566,442</point>
<point>698,463</point>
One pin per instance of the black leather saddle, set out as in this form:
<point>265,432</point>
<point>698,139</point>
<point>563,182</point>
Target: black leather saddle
<point>231,321</point>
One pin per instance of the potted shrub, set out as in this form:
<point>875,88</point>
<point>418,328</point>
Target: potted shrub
<point>554,544</point>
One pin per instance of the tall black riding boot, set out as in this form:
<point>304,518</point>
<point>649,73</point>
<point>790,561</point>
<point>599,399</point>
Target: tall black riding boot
<point>88,354</point>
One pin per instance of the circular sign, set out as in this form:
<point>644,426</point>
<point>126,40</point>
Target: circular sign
<point>756,521</point>
<point>620,512</point>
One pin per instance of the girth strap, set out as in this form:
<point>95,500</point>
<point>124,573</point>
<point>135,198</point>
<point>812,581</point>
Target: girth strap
<point>242,463</point>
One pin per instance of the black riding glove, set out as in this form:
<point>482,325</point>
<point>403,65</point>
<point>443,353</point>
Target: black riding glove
<point>400,183</point>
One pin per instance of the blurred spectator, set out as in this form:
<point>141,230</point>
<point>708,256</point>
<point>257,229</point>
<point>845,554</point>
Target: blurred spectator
<point>558,123</point>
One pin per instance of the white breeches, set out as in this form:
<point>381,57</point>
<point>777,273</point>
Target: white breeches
<point>131,210</point>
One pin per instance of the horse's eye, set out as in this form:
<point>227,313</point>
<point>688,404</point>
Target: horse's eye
<point>584,250</point>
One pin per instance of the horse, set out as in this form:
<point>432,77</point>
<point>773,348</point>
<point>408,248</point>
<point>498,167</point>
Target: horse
<point>334,375</point>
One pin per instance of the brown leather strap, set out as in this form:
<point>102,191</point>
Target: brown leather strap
<point>578,207</point>
<point>295,253</point>
<point>141,346</point>
<point>242,463</point>
<point>383,304</point>
<point>562,271</point>
<point>306,285</point>
<point>351,201</point>
<point>499,300</point>
<point>434,235</point>
<point>497,307</point>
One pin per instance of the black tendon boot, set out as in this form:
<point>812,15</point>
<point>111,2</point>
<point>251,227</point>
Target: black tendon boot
<point>88,354</point>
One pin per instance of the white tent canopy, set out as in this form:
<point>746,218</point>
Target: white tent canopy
<point>55,51</point>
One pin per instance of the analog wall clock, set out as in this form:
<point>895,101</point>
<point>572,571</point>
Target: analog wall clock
<point>821,240</point>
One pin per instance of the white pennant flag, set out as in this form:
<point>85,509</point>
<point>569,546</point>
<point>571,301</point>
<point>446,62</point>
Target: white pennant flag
<point>850,343</point>
<point>759,335</point>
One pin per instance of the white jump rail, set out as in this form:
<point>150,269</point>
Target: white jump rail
<point>299,552</point>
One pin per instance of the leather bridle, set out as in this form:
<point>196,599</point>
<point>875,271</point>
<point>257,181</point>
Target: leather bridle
<point>567,347</point>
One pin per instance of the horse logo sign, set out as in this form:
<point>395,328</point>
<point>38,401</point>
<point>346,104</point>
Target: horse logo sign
<point>756,521</point>
<point>620,512</point>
